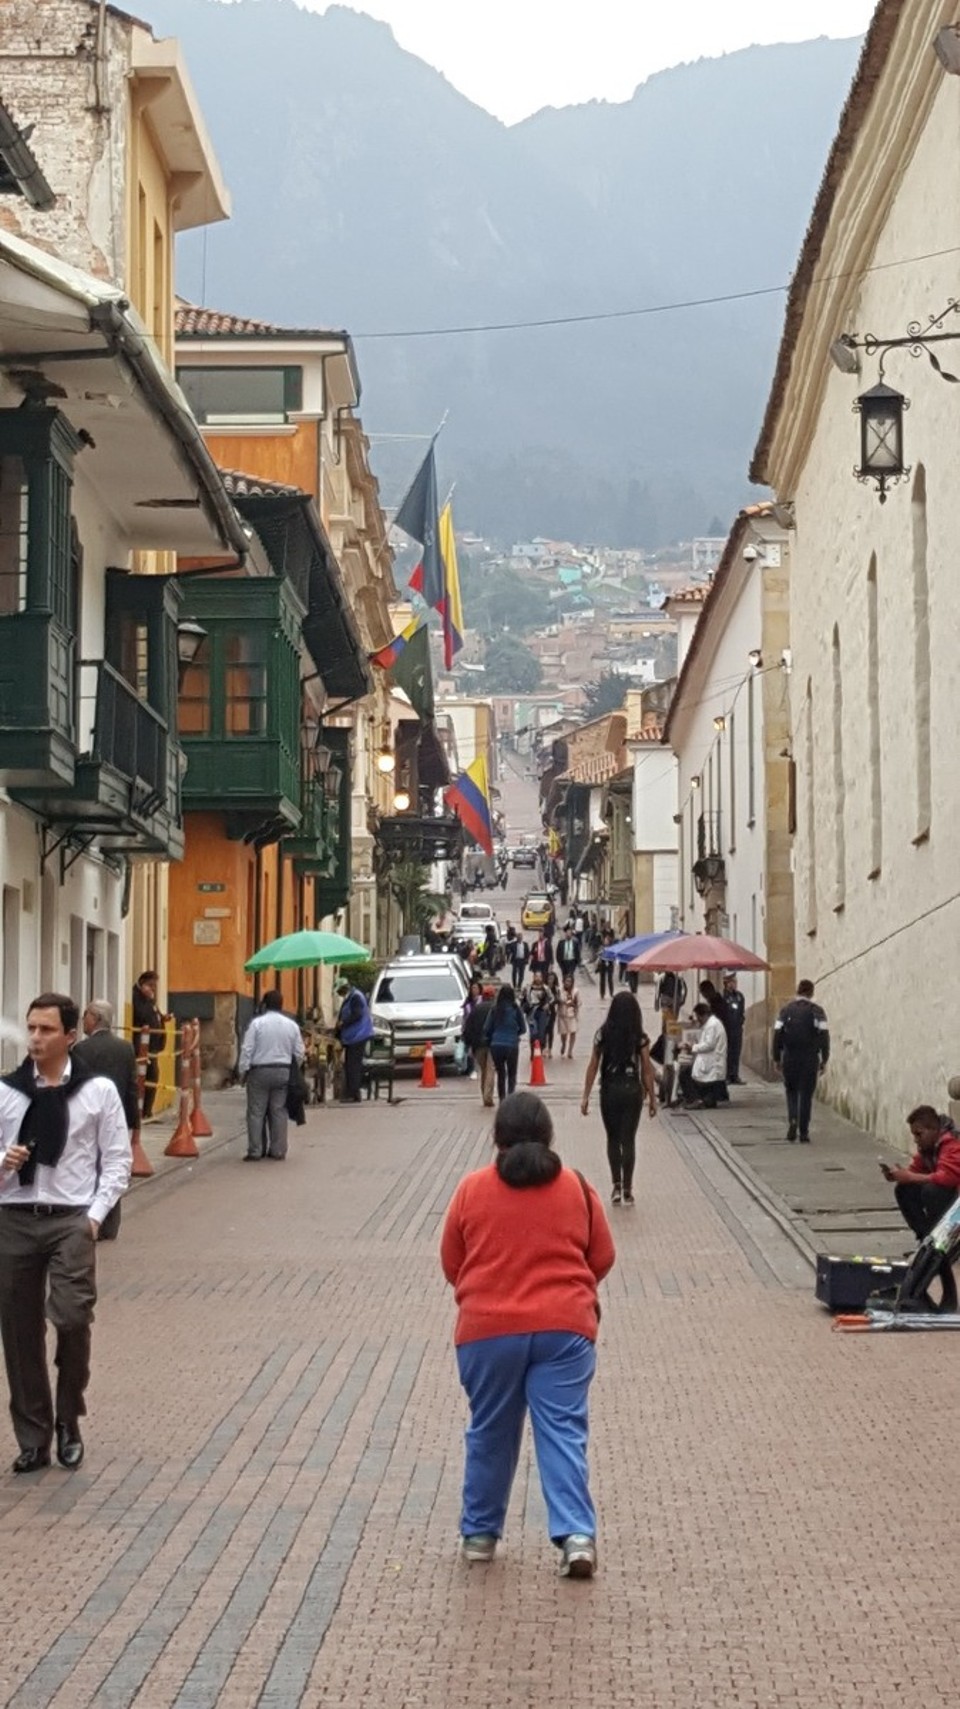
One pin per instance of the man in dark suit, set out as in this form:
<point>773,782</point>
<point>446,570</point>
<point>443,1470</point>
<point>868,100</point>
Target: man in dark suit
<point>104,1053</point>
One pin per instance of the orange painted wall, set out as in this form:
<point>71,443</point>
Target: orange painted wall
<point>210,858</point>
<point>289,457</point>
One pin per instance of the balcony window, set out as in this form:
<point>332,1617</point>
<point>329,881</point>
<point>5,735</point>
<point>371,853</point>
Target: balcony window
<point>246,684</point>
<point>194,714</point>
<point>14,535</point>
<point>255,397</point>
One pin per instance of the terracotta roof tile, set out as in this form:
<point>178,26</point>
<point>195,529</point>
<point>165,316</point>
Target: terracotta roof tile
<point>239,485</point>
<point>694,595</point>
<point>192,321</point>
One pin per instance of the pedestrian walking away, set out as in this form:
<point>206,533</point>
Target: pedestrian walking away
<point>146,1015</point>
<point>521,956</point>
<point>737,1010</point>
<point>604,964</point>
<point>525,1244</point>
<point>474,1036</point>
<point>353,1028</point>
<point>102,1052</point>
<point>621,1057</point>
<point>929,1184</point>
<point>801,1051</point>
<point>503,1030</point>
<point>65,1150</point>
<point>568,1017</point>
<point>271,1045</point>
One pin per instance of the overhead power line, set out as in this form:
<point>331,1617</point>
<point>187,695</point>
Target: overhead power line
<point>650,308</point>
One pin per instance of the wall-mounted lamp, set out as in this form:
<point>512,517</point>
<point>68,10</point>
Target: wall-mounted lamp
<point>756,658</point>
<point>386,761</point>
<point>720,722</point>
<point>881,437</point>
<point>401,801</point>
<point>844,354</point>
<point>786,660</point>
<point>695,781</point>
<point>190,638</point>
<point>946,46</point>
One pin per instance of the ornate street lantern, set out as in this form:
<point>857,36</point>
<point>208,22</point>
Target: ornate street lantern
<point>881,437</point>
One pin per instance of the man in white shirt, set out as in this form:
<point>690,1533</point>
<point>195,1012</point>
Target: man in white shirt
<point>705,1072</point>
<point>64,1162</point>
<point>272,1042</point>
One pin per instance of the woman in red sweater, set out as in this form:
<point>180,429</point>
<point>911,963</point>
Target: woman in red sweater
<point>525,1244</point>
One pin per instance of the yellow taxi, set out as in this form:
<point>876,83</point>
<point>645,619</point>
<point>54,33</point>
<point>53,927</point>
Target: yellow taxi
<point>537,911</point>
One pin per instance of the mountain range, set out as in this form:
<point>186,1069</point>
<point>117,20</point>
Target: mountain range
<point>368,193</point>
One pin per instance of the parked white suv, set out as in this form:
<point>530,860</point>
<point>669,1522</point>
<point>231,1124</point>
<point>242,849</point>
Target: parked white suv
<point>421,997</point>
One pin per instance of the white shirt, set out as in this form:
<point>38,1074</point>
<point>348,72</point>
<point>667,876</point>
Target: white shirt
<point>710,1052</point>
<point>271,1040</point>
<point>97,1139</point>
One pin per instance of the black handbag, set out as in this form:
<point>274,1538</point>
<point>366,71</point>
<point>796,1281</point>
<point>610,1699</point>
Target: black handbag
<point>297,1095</point>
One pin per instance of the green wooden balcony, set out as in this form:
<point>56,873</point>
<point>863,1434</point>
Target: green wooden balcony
<point>36,702</point>
<point>313,845</point>
<point>239,709</point>
<point>126,786</point>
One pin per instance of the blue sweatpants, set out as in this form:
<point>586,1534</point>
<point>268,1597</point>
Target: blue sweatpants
<point>550,1373</point>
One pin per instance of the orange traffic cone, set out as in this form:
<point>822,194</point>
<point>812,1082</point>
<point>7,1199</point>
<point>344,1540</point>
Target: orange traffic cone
<point>428,1075</point>
<point>182,1142</point>
<point>141,1162</point>
<point>199,1125</point>
<point>538,1074</point>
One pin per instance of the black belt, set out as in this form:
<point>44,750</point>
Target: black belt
<point>50,1210</point>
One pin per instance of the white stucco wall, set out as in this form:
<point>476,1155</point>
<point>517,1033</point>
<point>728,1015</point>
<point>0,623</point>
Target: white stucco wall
<point>884,949</point>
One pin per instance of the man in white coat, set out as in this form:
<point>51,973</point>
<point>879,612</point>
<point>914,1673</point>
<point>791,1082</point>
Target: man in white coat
<point>703,1075</point>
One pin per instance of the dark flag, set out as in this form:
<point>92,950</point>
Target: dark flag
<point>411,672</point>
<point>418,517</point>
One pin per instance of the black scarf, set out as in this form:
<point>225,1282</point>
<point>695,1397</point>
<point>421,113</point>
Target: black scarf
<point>44,1127</point>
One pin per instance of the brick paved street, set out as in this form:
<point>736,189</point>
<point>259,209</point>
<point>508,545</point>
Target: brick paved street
<point>268,1510</point>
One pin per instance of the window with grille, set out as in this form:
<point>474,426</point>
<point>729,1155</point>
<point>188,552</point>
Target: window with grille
<point>14,535</point>
<point>245,681</point>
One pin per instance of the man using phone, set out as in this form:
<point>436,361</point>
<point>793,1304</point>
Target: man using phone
<point>64,1162</point>
<point>927,1187</point>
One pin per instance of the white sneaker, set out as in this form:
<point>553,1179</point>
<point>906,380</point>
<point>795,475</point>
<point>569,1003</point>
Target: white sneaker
<point>579,1558</point>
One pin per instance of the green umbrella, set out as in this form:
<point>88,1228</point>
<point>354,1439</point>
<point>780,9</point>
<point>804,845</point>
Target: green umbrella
<point>307,949</point>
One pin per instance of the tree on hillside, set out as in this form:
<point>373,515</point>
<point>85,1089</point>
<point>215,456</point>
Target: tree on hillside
<point>511,667</point>
<point>497,598</point>
<point>607,694</point>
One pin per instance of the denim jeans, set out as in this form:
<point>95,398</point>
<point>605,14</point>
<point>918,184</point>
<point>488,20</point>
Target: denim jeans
<point>550,1373</point>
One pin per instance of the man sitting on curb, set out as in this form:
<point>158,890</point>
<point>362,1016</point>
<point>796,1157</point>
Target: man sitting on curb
<point>927,1187</point>
<point>703,1072</point>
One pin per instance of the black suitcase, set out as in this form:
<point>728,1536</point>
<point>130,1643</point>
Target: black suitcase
<point>845,1284</point>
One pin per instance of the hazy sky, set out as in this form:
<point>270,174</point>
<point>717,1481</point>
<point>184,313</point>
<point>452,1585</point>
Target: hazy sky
<point>514,56</point>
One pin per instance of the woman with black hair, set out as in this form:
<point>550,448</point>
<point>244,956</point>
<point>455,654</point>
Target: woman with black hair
<point>504,1029</point>
<point>525,1243</point>
<point>621,1056</point>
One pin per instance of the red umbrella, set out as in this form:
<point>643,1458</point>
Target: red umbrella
<point>700,951</point>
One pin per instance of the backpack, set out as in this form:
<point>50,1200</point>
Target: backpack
<point>799,1032</point>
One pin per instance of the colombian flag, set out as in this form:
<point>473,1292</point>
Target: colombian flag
<point>389,654</point>
<point>469,797</point>
<point>451,609</point>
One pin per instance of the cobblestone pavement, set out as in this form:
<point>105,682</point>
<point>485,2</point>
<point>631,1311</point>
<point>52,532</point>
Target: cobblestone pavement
<point>268,1510</point>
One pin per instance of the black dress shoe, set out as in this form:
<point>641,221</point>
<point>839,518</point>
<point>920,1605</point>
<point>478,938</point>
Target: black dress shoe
<point>69,1446</point>
<point>31,1460</point>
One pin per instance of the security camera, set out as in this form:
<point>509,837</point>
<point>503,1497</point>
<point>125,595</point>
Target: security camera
<point>750,554</point>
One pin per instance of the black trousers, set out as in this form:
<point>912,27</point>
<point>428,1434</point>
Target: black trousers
<point>606,978</point>
<point>922,1206</point>
<point>800,1083</point>
<point>734,1047</point>
<point>505,1059</point>
<point>48,1272</point>
<point>353,1055</point>
<point>621,1102</point>
<point>710,1093</point>
<point>151,1082</point>
<point>519,969</point>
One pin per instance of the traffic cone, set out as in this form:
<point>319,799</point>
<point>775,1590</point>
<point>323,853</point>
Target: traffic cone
<point>199,1125</point>
<point>182,1142</point>
<point>428,1074</point>
<point>141,1162</point>
<point>538,1074</point>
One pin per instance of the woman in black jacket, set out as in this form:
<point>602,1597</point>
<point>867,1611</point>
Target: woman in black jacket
<point>621,1056</point>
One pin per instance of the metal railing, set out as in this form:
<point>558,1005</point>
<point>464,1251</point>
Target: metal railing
<point>127,735</point>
